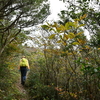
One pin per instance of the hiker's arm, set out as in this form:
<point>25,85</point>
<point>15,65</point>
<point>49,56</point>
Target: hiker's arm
<point>28,65</point>
<point>19,67</point>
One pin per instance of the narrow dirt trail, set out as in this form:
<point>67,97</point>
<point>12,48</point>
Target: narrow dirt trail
<point>22,90</point>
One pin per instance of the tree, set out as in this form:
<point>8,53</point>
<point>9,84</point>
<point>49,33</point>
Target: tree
<point>76,8</point>
<point>18,14</point>
<point>24,12</point>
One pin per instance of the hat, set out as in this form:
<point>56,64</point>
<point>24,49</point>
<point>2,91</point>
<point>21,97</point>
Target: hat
<point>23,57</point>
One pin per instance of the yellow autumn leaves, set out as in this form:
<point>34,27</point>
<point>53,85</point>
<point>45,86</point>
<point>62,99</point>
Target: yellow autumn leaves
<point>71,36</point>
<point>62,28</point>
<point>67,32</point>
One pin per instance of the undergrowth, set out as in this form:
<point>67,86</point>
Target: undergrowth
<point>8,89</point>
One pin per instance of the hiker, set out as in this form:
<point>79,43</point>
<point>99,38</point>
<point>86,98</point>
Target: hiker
<point>23,68</point>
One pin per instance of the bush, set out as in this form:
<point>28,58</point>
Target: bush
<point>8,89</point>
<point>38,90</point>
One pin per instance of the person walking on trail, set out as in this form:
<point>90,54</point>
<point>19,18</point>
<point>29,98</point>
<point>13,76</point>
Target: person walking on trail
<point>23,68</point>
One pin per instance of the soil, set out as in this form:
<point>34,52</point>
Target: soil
<point>22,90</point>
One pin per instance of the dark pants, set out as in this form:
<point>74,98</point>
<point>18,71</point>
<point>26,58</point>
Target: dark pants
<point>23,74</point>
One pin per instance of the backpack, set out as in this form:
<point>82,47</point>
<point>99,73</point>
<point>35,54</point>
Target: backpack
<point>24,62</point>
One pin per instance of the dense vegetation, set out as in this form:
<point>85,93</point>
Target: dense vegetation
<point>69,67</point>
<point>65,65</point>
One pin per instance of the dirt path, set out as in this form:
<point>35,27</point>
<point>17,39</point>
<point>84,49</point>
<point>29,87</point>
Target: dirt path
<point>22,90</point>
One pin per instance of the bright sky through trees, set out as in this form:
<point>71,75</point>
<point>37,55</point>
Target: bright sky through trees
<point>55,7</point>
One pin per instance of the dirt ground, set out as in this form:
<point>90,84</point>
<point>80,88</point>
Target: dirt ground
<point>22,90</point>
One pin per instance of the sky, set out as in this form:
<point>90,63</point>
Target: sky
<point>55,7</point>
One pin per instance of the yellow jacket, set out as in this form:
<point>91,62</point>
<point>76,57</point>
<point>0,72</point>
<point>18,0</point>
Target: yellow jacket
<point>23,63</point>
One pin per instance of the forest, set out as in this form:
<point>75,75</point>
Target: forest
<point>64,61</point>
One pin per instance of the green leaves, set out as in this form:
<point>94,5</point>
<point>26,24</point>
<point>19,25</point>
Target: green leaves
<point>52,36</point>
<point>45,26</point>
<point>62,28</point>
<point>67,34</point>
<point>69,25</point>
<point>75,43</point>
